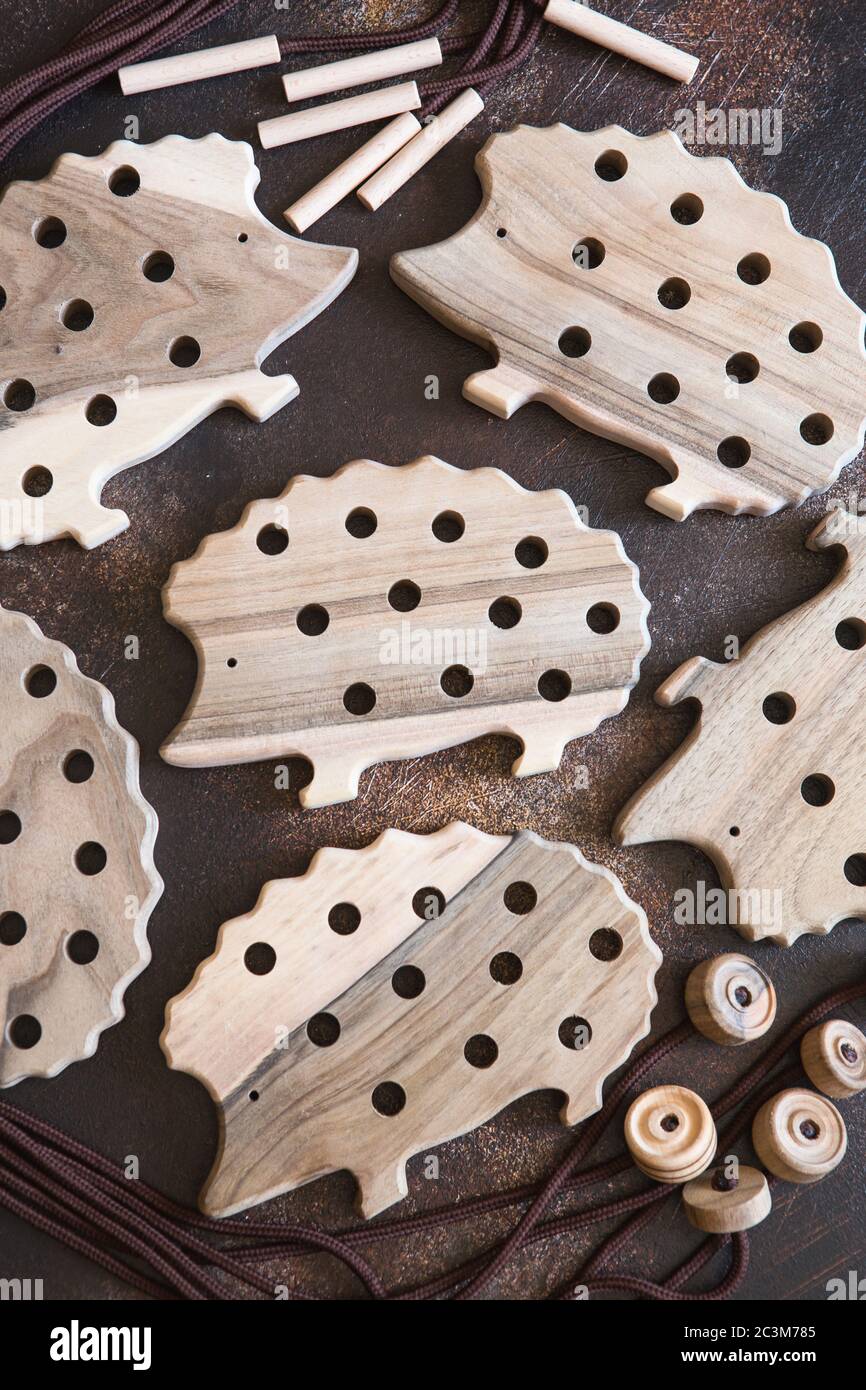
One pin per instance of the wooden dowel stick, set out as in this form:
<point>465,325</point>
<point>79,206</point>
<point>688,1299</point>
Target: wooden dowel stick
<point>620,38</point>
<point>457,114</point>
<point>368,67</point>
<point>192,67</point>
<point>359,166</point>
<point>338,115</point>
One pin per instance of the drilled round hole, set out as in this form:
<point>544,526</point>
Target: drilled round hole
<point>806,337</point>
<point>481,1051</point>
<point>184,352</point>
<point>505,612</point>
<point>24,1031</point>
<point>603,618</point>
<point>158,267</point>
<point>10,827</point>
<point>457,681</point>
<point>76,315</point>
<point>817,429</point>
<point>734,830</point>
<point>520,897</point>
<point>501,232</point>
<point>851,634</point>
<point>611,165</point>
<point>428,904</point>
<point>605,944</point>
<point>344,918</point>
<point>231,662</point>
<point>754,269</point>
<point>506,968</point>
<point>359,698</point>
<point>588,253</point>
<point>809,1129</point>
<point>849,1053</point>
<point>101,411</point>
<point>2,299</point>
<point>404,596</point>
<point>742,996</point>
<point>361,523</point>
<point>670,1123</point>
<point>663,388</point>
<point>78,766</point>
<point>13,928</point>
<point>90,858</point>
<point>855,870</point>
<point>37,482</point>
<point>734,452</point>
<point>408,981</point>
<point>254,1095</point>
<point>260,958</point>
<point>40,681</point>
<point>388,1098</point>
<point>82,947</point>
<point>448,527</point>
<point>675,293</point>
<point>243,237</point>
<point>124,181</point>
<point>687,209</point>
<point>575,342</point>
<point>554,685</point>
<point>19,395</point>
<point>574,1033</point>
<point>313,620</point>
<point>817,790</point>
<point>323,1030</point>
<point>779,708</point>
<point>742,367</point>
<point>531,552</point>
<point>50,232</point>
<point>272,540</point>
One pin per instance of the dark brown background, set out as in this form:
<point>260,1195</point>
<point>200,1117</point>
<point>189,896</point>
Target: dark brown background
<point>361,368</point>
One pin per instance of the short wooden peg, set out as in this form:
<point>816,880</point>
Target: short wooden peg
<point>621,38</point>
<point>346,177</point>
<point>406,163</point>
<point>367,67</point>
<point>339,115</point>
<point>193,67</point>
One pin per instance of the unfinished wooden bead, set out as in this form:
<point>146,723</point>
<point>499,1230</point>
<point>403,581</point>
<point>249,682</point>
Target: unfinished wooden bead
<point>799,1136</point>
<point>834,1058</point>
<point>730,1000</point>
<point>716,1203</point>
<point>670,1134</point>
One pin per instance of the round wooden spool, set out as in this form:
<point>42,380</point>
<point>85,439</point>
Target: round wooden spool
<point>720,1205</point>
<point>670,1134</point>
<point>834,1058</point>
<point>730,1000</point>
<point>799,1136</point>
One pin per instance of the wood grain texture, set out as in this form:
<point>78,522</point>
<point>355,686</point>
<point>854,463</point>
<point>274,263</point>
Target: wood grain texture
<point>670,1133</point>
<point>404,606</point>
<point>76,857</point>
<point>770,783</point>
<point>103,351</point>
<point>712,1204</point>
<point>799,1137</point>
<point>638,335</point>
<point>536,972</point>
<point>730,999</point>
<point>834,1058</point>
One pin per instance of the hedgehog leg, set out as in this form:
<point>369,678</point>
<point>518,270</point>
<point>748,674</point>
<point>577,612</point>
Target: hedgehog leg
<point>542,752</point>
<point>333,781</point>
<point>257,395</point>
<point>378,1191</point>
<point>501,389</point>
<point>80,516</point>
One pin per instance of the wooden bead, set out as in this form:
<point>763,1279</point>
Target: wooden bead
<point>799,1136</point>
<point>730,1000</point>
<point>670,1134</point>
<point>720,1205</point>
<point>834,1058</point>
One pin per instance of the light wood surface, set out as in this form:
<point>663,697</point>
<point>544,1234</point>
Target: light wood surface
<point>366,67</point>
<point>537,973</point>
<point>339,115</point>
<point>799,1136</point>
<point>559,261</point>
<point>236,287</point>
<point>193,67</point>
<point>730,1000</point>
<point>77,878</point>
<point>621,38</point>
<point>670,1134</point>
<point>834,1058</point>
<point>784,822</point>
<point>720,1205</point>
<point>435,136</point>
<point>341,181</point>
<point>267,688</point>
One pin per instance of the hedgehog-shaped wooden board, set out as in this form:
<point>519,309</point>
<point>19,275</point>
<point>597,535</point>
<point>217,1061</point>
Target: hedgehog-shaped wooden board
<point>654,298</point>
<point>77,878</point>
<point>395,996</point>
<point>770,784</point>
<point>141,288</point>
<point>386,612</point>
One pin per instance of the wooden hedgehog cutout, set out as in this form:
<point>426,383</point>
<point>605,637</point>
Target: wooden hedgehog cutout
<point>384,613</point>
<point>396,996</point>
<point>140,291</point>
<point>654,298</point>
<point>771,782</point>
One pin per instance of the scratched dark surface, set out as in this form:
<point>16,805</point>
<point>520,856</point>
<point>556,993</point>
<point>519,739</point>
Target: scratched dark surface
<point>361,368</point>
